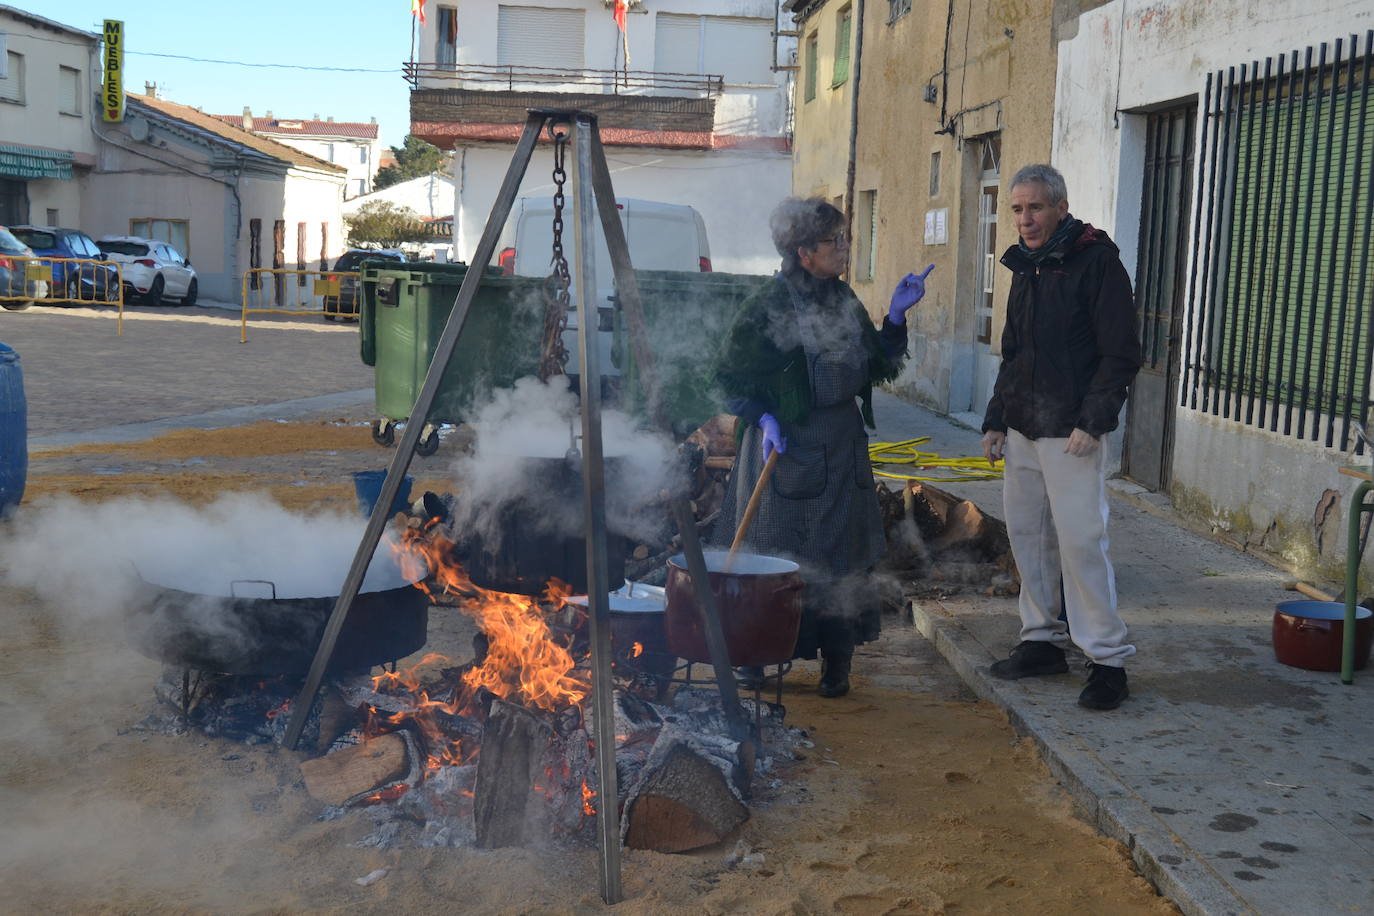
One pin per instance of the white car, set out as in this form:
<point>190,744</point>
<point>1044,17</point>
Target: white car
<point>153,270</point>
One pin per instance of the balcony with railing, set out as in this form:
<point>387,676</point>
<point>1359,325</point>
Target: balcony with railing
<point>516,78</point>
<point>641,101</point>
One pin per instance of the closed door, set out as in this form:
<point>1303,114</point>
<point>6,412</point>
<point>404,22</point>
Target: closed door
<point>1160,278</point>
<point>985,362</point>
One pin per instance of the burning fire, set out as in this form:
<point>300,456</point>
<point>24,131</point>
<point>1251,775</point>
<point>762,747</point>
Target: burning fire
<point>636,650</point>
<point>524,663</point>
<point>587,796</point>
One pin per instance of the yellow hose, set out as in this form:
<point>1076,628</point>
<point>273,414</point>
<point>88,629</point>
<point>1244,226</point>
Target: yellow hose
<point>905,453</point>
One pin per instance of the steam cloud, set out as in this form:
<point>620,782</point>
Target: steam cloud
<point>99,551</point>
<point>533,421</point>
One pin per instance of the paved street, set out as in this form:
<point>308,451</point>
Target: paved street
<point>77,372</point>
<point>1238,784</point>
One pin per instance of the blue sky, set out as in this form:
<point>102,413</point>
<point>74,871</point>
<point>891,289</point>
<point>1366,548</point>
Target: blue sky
<point>362,34</point>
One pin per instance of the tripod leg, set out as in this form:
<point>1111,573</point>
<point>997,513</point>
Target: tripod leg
<point>400,462</point>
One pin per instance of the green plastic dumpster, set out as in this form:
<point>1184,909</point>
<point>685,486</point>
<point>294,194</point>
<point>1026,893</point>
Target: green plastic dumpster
<point>405,308</point>
<point>687,314</point>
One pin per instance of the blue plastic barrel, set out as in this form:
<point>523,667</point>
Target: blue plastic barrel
<point>368,486</point>
<point>14,431</point>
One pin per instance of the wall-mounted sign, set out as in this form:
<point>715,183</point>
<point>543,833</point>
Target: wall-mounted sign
<point>937,232</point>
<point>112,98</point>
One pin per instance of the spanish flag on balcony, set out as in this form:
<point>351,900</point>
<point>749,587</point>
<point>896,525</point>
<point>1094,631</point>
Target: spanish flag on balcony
<point>621,6</point>
<point>417,8</point>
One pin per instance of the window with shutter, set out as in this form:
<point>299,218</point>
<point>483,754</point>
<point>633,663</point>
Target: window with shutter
<point>12,86</point>
<point>536,36</point>
<point>1283,301</point>
<point>740,49</point>
<point>677,43</point>
<point>735,47</point>
<point>842,35</point>
<point>812,62</point>
<point>69,90</point>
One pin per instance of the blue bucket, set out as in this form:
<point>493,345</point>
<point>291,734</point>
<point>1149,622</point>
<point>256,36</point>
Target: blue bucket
<point>14,432</point>
<point>368,486</point>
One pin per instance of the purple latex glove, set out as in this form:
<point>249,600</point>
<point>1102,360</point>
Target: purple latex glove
<point>773,439</point>
<point>910,290</point>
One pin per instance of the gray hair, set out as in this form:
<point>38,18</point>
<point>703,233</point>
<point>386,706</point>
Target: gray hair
<point>1045,175</point>
<point>799,222</point>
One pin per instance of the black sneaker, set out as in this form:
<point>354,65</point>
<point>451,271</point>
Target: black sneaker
<point>1106,687</point>
<point>1030,658</point>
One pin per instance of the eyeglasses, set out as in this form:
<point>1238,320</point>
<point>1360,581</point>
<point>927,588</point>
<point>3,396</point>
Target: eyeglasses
<point>839,240</point>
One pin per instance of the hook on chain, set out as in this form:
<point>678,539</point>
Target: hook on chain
<point>553,355</point>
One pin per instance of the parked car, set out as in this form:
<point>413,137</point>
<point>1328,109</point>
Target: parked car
<point>153,270</point>
<point>346,302</point>
<point>71,280</point>
<point>19,293</point>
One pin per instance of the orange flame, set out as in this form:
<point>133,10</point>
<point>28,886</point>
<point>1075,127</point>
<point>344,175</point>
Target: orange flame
<point>636,650</point>
<point>587,796</point>
<point>524,663</point>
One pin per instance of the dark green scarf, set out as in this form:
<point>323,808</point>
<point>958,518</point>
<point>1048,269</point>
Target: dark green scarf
<point>1069,229</point>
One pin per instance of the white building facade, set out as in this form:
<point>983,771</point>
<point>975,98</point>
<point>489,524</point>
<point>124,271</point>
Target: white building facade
<point>353,145</point>
<point>699,116</point>
<point>1229,149</point>
<point>228,199</point>
<point>46,137</point>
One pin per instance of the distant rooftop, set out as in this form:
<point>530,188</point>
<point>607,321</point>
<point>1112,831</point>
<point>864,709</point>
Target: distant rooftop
<point>305,127</point>
<point>230,131</point>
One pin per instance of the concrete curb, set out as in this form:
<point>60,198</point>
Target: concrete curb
<point>1112,807</point>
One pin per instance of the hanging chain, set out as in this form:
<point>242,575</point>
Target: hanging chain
<point>554,356</point>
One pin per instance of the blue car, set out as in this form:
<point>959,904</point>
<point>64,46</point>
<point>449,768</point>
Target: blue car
<point>86,282</point>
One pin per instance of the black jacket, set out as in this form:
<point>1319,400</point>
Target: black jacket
<point>1070,346</point>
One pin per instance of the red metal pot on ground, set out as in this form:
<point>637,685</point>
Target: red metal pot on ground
<point>1308,634</point>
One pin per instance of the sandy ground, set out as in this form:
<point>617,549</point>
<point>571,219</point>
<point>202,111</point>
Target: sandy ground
<point>916,800</point>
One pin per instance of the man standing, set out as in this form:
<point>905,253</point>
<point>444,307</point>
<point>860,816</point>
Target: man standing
<point>1069,349</point>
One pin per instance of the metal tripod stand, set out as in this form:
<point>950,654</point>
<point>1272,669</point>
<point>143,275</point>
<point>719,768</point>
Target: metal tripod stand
<point>592,189</point>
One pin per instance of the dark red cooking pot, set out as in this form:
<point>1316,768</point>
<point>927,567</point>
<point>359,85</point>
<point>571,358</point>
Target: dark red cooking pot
<point>759,602</point>
<point>1309,634</point>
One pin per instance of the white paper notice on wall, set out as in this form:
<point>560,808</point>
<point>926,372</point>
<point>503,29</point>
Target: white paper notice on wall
<point>937,228</point>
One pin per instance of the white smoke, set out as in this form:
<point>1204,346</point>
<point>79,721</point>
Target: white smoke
<point>100,551</point>
<point>522,428</point>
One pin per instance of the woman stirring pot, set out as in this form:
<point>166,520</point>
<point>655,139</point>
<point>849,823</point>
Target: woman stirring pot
<point>798,368</point>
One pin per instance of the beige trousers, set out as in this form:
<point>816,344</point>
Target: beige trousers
<point>1056,508</point>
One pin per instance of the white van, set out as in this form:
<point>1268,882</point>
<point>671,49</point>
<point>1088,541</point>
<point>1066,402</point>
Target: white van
<point>661,237</point>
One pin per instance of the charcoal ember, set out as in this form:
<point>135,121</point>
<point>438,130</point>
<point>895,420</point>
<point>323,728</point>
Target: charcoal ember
<point>249,709</point>
<point>629,762</point>
<point>456,726</point>
<point>401,786</point>
<point>636,719</point>
<point>443,803</point>
<point>386,835</point>
<point>570,783</point>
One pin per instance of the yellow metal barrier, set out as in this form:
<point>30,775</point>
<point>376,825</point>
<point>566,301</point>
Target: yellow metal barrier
<point>332,294</point>
<point>25,281</point>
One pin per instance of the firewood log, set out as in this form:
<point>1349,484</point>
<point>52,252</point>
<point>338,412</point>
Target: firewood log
<point>683,799</point>
<point>512,745</point>
<point>355,770</point>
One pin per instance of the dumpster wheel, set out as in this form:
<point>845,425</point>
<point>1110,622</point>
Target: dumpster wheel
<point>384,433</point>
<point>429,441</point>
